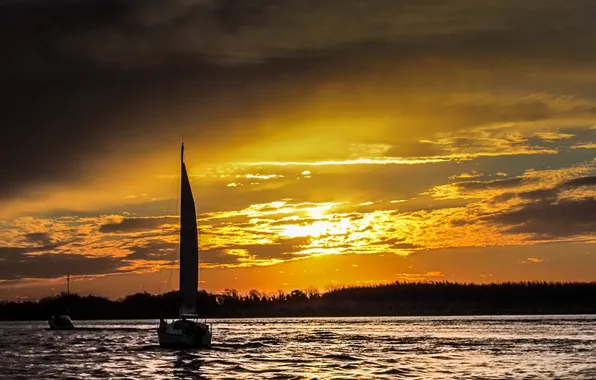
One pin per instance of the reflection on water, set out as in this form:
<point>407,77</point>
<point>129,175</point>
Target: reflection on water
<point>400,347</point>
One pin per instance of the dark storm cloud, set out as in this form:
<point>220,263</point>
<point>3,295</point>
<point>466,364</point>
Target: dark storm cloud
<point>62,107</point>
<point>18,263</point>
<point>547,215</point>
<point>82,79</point>
<point>565,218</point>
<point>137,224</point>
<point>42,238</point>
<point>494,184</point>
<point>551,193</point>
<point>10,253</point>
<point>541,194</point>
<point>579,182</point>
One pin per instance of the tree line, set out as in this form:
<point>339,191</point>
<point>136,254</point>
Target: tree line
<point>421,298</point>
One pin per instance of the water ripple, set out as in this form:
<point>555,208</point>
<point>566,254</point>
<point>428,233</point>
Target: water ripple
<point>311,348</point>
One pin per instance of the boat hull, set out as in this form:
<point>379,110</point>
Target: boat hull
<point>60,322</point>
<point>184,334</point>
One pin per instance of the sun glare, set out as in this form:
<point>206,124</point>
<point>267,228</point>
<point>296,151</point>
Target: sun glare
<point>317,212</point>
<point>316,229</point>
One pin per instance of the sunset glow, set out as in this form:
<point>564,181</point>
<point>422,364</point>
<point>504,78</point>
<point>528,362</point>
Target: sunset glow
<point>387,142</point>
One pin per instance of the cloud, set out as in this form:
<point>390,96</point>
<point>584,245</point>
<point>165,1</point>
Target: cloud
<point>540,194</point>
<point>416,149</point>
<point>564,218</point>
<point>153,250</point>
<point>481,189</point>
<point>128,225</point>
<point>551,193</point>
<point>42,238</point>
<point>550,136</point>
<point>117,74</point>
<point>9,253</point>
<point>100,91</point>
<point>264,234</point>
<point>473,174</point>
<point>494,184</point>
<point>579,182</point>
<point>253,254</point>
<point>20,263</point>
<point>229,31</point>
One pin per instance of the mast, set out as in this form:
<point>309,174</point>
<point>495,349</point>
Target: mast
<point>67,283</point>
<point>189,244</point>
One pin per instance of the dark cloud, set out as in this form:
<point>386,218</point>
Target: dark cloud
<point>494,184</point>
<point>153,250</point>
<point>564,218</point>
<point>579,182</point>
<point>18,263</point>
<point>549,194</point>
<point>84,109</point>
<point>10,253</point>
<point>541,194</point>
<point>504,197</point>
<point>42,238</point>
<point>157,250</point>
<point>137,224</point>
<point>39,262</point>
<point>282,249</point>
<point>549,216</point>
<point>83,79</point>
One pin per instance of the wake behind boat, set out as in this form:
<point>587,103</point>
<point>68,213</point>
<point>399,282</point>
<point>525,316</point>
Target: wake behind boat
<point>186,332</point>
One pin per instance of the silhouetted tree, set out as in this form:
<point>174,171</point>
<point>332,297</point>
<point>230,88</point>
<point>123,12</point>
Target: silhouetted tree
<point>424,298</point>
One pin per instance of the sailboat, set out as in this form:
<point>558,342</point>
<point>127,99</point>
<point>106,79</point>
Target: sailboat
<point>187,331</point>
<point>62,321</point>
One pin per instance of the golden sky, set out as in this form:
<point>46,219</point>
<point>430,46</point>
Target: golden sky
<point>329,142</point>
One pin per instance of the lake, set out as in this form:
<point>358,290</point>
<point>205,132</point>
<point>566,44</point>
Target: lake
<point>490,347</point>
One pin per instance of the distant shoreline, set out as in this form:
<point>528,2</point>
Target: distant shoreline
<point>488,316</point>
<point>425,299</point>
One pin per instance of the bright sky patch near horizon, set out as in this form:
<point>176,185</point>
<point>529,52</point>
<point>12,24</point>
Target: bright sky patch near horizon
<point>329,142</point>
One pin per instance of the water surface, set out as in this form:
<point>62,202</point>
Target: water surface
<point>528,347</point>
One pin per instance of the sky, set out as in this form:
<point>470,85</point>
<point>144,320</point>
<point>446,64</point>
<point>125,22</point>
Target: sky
<point>329,142</point>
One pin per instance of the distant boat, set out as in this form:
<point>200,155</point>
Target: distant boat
<point>62,321</point>
<point>187,331</point>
